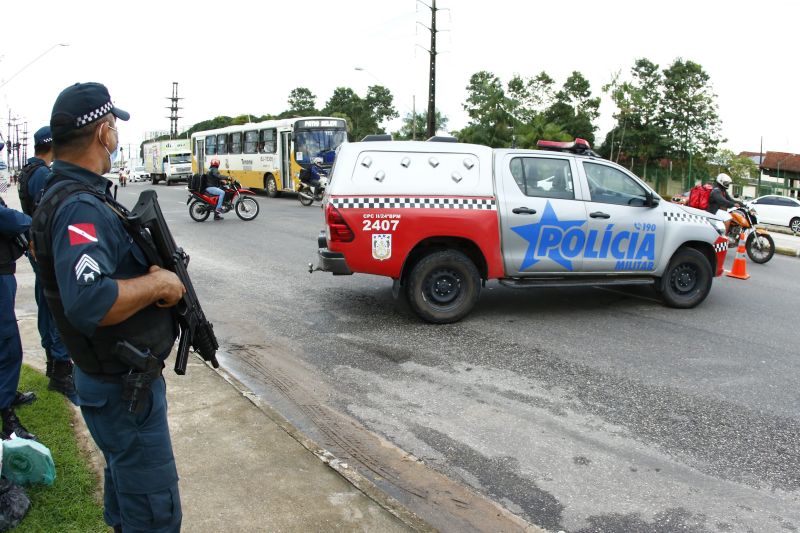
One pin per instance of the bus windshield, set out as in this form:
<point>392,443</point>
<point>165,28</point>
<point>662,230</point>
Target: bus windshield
<point>175,159</point>
<point>309,144</point>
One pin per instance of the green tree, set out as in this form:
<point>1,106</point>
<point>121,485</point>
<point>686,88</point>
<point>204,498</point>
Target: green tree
<point>639,130</point>
<point>302,103</point>
<point>574,109</point>
<point>739,167</point>
<point>366,114</point>
<point>518,115</point>
<point>688,109</point>
<point>418,123</point>
<point>490,123</point>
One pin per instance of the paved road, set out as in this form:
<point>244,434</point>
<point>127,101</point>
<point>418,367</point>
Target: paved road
<point>582,410</point>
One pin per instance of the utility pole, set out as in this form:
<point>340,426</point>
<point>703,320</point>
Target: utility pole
<point>760,161</point>
<point>173,111</point>
<point>432,69</point>
<point>414,117</point>
<point>25,143</point>
<point>16,145</point>
<point>432,76</point>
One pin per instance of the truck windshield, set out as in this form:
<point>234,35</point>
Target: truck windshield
<point>309,144</point>
<point>175,159</point>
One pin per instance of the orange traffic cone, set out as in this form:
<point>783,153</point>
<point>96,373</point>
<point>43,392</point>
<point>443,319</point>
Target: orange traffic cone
<point>739,270</point>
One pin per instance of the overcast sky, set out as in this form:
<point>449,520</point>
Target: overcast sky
<point>242,57</point>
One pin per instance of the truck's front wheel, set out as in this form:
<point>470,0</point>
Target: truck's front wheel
<point>443,287</point>
<point>687,280</point>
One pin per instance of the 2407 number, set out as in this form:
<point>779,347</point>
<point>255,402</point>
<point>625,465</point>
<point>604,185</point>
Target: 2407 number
<point>380,225</point>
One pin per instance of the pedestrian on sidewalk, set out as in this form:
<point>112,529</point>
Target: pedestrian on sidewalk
<point>32,181</point>
<point>12,224</point>
<point>102,292</point>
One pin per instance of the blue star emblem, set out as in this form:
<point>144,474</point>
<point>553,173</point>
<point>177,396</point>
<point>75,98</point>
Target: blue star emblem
<point>547,234</point>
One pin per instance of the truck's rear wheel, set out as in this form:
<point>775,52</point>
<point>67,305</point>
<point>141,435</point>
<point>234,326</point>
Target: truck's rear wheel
<point>687,279</point>
<point>443,287</point>
<point>154,180</point>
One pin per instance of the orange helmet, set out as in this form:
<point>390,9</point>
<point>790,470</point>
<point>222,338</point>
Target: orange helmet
<point>215,162</point>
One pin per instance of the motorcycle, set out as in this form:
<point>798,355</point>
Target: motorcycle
<point>759,244</point>
<point>202,204</point>
<point>307,196</point>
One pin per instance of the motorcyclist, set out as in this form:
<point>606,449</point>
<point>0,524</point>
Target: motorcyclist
<point>215,183</point>
<point>720,201</point>
<point>312,177</point>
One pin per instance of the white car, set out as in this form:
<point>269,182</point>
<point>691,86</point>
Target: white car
<point>778,210</point>
<point>138,173</point>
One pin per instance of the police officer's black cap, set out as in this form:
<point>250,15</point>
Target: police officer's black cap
<point>80,105</point>
<point>42,136</point>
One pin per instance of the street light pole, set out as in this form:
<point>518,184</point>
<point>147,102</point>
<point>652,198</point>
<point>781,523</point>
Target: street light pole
<point>34,60</point>
<point>404,104</point>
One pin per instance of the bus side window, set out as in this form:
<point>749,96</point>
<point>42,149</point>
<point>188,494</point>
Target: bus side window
<point>267,142</point>
<point>211,145</point>
<point>250,142</point>
<point>222,144</point>
<point>236,142</point>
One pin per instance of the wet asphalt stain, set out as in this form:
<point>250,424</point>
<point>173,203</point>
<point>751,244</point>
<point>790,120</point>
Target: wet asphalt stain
<point>669,521</point>
<point>720,438</point>
<point>498,478</point>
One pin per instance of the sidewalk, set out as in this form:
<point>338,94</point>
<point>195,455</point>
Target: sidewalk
<point>240,467</point>
<point>786,242</point>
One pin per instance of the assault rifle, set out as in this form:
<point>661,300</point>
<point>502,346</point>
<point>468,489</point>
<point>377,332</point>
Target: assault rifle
<point>147,221</point>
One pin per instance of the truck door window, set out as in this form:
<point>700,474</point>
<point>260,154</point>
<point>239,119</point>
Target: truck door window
<point>250,141</point>
<point>222,143</point>
<point>543,177</point>
<point>609,185</point>
<point>211,145</point>
<point>236,143</point>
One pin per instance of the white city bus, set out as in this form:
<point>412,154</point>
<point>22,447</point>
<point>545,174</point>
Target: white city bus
<point>269,155</point>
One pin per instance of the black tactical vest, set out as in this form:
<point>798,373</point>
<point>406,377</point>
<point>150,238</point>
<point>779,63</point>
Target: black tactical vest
<point>153,328</point>
<point>26,201</point>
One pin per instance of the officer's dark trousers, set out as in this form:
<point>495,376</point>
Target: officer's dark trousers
<point>141,481</point>
<point>51,338</point>
<point>10,344</point>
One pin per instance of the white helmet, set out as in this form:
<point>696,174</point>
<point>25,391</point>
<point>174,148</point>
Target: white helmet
<point>724,180</point>
<point>317,161</point>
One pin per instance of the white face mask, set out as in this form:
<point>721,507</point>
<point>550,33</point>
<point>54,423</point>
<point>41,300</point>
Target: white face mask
<point>112,156</point>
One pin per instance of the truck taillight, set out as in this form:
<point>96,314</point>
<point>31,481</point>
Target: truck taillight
<point>338,230</point>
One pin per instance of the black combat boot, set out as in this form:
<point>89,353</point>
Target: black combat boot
<point>22,398</point>
<point>11,424</point>
<point>61,380</point>
<point>49,370</point>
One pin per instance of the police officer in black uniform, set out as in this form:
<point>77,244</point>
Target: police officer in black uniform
<point>101,292</point>
<point>12,223</point>
<point>34,177</point>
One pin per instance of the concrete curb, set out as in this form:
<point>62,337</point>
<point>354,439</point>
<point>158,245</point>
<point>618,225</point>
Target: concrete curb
<point>357,480</point>
<point>784,250</point>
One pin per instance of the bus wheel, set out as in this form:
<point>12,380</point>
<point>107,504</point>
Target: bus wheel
<point>272,187</point>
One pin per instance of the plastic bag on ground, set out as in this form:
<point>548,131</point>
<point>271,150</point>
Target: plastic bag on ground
<point>27,461</point>
<point>14,504</point>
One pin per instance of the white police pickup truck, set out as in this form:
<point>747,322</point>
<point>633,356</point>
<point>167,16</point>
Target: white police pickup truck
<point>441,217</point>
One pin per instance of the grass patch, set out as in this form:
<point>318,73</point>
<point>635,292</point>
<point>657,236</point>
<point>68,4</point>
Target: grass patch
<point>69,505</point>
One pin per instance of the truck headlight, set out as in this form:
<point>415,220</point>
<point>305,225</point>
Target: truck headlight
<point>718,225</point>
